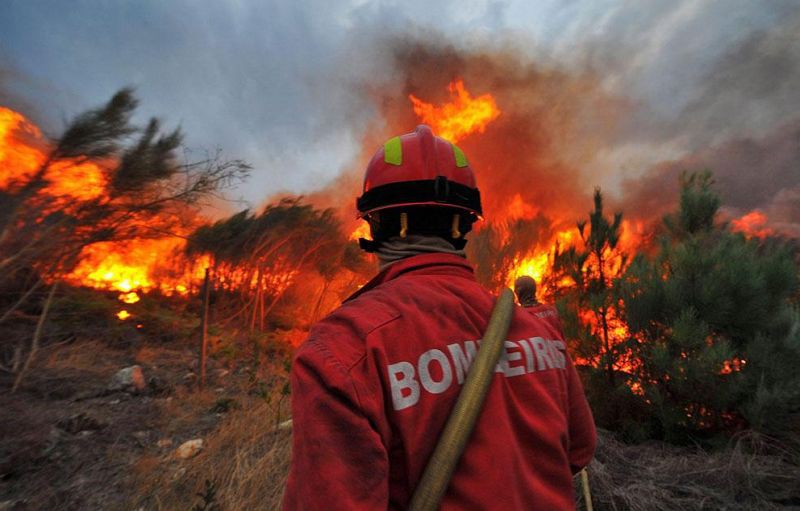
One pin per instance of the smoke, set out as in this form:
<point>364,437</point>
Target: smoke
<point>567,127</point>
<point>538,150</point>
<point>749,90</point>
<point>743,125</point>
<point>750,173</point>
<point>620,95</point>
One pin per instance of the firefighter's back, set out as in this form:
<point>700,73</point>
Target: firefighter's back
<point>418,334</point>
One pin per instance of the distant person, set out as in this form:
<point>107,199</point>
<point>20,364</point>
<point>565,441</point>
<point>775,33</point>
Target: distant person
<point>374,383</point>
<point>525,289</point>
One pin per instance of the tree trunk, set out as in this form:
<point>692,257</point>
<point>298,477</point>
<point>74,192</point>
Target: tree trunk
<point>36,337</point>
<point>204,329</point>
<point>604,319</point>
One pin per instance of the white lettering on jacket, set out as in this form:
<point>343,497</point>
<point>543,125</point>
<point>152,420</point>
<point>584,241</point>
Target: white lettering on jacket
<point>435,368</point>
<point>405,390</point>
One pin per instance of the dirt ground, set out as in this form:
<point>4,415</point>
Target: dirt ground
<point>67,442</point>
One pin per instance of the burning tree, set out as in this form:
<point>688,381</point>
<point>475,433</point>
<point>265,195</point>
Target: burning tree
<point>583,280</point>
<point>257,258</point>
<point>498,248</point>
<point>714,324</point>
<point>103,180</point>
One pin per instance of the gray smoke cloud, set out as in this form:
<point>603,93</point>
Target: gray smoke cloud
<point>609,93</point>
<point>743,124</point>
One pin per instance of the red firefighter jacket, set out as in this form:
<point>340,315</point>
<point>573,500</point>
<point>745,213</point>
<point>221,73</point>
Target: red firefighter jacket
<point>375,381</point>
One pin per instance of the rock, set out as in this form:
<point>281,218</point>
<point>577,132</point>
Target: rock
<point>128,379</point>
<point>164,442</point>
<point>189,448</point>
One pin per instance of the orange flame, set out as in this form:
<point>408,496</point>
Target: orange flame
<point>459,117</point>
<point>129,298</point>
<point>121,266</point>
<point>134,265</point>
<point>17,159</point>
<point>362,231</point>
<point>753,224</point>
<point>123,315</point>
<point>20,158</point>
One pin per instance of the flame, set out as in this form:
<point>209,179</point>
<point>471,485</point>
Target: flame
<point>362,231</point>
<point>534,266</point>
<point>82,181</point>
<point>459,117</point>
<point>17,158</point>
<point>518,209</point>
<point>129,298</point>
<point>753,224</point>
<point>128,266</point>
<point>123,315</point>
<point>22,154</point>
<point>539,263</point>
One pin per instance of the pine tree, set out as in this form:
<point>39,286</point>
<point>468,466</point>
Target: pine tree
<point>592,271</point>
<point>257,256</point>
<point>713,324</point>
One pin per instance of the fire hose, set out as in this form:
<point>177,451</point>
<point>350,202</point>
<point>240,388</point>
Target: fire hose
<point>461,422</point>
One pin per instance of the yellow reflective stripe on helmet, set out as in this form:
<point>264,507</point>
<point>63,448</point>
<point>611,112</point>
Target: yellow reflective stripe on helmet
<point>393,151</point>
<point>461,158</point>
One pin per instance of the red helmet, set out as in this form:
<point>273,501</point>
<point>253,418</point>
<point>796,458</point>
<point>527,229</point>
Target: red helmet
<point>419,169</point>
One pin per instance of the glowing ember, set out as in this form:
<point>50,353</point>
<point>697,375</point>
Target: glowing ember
<point>461,116</point>
<point>753,224</point>
<point>131,297</point>
<point>733,366</point>
<point>123,315</point>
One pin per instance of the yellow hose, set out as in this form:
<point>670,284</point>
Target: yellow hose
<point>587,494</point>
<point>461,422</point>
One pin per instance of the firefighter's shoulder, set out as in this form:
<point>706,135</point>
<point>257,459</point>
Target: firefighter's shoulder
<point>343,332</point>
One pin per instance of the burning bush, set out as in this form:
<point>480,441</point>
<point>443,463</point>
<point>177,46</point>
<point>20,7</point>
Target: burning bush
<point>259,259</point>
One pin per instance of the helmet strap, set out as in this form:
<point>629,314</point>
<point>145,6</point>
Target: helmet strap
<point>454,232</point>
<point>386,224</point>
<point>403,224</point>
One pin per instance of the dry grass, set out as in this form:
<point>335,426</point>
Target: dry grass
<point>90,356</point>
<point>245,459</point>
<point>753,473</point>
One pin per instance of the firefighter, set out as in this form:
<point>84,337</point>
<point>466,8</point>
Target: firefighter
<point>373,384</point>
<point>525,289</point>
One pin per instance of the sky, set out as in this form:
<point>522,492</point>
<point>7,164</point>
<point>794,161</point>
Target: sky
<point>285,85</point>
